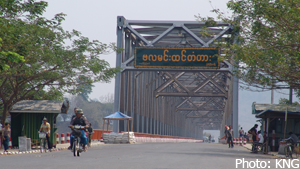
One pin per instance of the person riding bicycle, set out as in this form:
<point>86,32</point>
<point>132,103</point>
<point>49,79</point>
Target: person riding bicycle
<point>82,121</point>
<point>293,139</point>
<point>46,128</point>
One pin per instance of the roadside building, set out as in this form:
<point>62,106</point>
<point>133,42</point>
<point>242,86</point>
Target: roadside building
<point>27,117</point>
<point>278,118</point>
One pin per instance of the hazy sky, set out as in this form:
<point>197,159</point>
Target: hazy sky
<point>96,19</point>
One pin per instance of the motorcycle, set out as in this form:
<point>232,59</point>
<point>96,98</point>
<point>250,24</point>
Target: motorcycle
<point>77,147</point>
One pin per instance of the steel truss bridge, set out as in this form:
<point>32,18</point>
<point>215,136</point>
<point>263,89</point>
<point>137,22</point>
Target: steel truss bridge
<point>177,102</point>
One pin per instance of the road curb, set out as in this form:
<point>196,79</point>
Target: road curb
<point>271,154</point>
<point>39,151</point>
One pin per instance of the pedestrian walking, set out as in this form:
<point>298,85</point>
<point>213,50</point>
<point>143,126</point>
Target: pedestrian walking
<point>90,131</point>
<point>229,136</point>
<point>253,132</point>
<point>265,142</point>
<point>265,136</point>
<point>241,132</point>
<point>46,128</point>
<point>5,136</point>
<point>225,132</point>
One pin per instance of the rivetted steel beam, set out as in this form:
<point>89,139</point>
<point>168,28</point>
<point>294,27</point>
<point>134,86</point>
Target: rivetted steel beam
<point>169,81</point>
<point>190,95</point>
<point>123,65</point>
<point>204,117</point>
<point>137,34</point>
<point>131,68</point>
<point>175,80</point>
<point>219,35</point>
<point>211,113</point>
<point>202,107</point>
<point>169,23</point>
<point>194,36</point>
<point>207,119</point>
<point>197,109</point>
<point>162,35</point>
<point>209,78</point>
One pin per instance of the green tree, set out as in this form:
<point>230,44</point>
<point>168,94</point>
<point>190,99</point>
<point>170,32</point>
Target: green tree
<point>287,102</point>
<point>51,67</point>
<point>85,88</point>
<point>8,57</point>
<point>266,36</point>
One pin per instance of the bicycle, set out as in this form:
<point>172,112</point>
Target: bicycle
<point>255,147</point>
<point>43,145</point>
<point>289,149</point>
<point>77,146</point>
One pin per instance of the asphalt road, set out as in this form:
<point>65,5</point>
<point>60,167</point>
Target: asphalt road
<point>148,156</point>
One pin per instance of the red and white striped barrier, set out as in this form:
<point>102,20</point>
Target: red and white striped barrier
<point>57,138</point>
<point>156,139</point>
<point>241,142</point>
<point>68,137</point>
<point>234,142</point>
<point>245,141</point>
<point>10,143</point>
<point>62,138</point>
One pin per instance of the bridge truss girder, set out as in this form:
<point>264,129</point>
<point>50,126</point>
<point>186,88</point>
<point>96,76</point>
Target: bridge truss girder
<point>181,102</point>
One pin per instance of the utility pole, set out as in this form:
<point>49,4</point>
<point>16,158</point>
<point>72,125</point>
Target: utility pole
<point>291,96</point>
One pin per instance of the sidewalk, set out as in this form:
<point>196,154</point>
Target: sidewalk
<point>249,147</point>
<point>58,148</point>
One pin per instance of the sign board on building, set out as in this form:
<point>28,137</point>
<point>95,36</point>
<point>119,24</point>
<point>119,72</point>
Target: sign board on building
<point>167,57</point>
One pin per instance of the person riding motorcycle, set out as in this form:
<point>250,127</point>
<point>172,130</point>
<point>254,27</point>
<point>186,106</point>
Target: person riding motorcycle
<point>82,121</point>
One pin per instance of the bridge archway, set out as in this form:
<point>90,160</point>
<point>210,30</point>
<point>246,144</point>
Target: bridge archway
<point>173,101</point>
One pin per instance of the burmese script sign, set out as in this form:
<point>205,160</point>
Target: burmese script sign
<point>167,57</point>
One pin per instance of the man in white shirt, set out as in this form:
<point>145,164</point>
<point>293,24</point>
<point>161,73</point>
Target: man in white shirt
<point>259,141</point>
<point>260,138</point>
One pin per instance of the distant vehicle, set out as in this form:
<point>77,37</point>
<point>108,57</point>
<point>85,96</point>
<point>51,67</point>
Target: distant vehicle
<point>213,140</point>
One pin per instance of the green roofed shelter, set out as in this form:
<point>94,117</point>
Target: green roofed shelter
<point>27,117</point>
<point>278,118</point>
